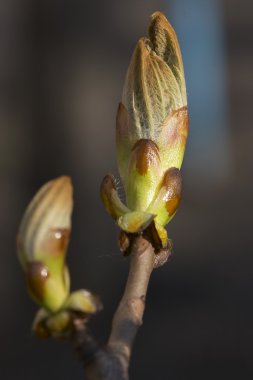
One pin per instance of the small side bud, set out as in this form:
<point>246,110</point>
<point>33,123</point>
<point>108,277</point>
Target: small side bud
<point>42,243</point>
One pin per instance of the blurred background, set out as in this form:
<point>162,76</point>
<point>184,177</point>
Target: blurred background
<point>62,66</point>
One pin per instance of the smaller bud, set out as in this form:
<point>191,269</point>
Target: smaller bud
<point>42,243</point>
<point>43,240</point>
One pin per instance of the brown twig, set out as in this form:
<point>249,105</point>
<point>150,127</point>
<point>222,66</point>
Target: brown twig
<point>111,362</point>
<point>128,317</point>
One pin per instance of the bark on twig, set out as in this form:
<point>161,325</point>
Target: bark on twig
<point>112,362</point>
<point>128,317</point>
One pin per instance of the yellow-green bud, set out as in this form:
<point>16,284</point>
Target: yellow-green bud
<point>151,132</point>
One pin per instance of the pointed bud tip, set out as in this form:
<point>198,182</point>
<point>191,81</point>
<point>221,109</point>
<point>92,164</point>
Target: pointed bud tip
<point>157,16</point>
<point>64,183</point>
<point>54,195</point>
<point>107,184</point>
<point>159,21</point>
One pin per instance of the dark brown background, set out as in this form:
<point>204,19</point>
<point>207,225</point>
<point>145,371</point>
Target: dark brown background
<point>62,65</point>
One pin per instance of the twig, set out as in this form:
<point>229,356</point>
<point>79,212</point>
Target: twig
<point>128,317</point>
<point>111,362</point>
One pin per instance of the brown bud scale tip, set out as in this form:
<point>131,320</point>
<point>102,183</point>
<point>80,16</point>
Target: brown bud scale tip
<point>173,182</point>
<point>36,277</point>
<point>56,241</point>
<point>146,153</point>
<point>106,191</point>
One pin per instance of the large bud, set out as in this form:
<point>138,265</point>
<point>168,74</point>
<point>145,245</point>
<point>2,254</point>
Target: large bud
<point>152,127</point>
